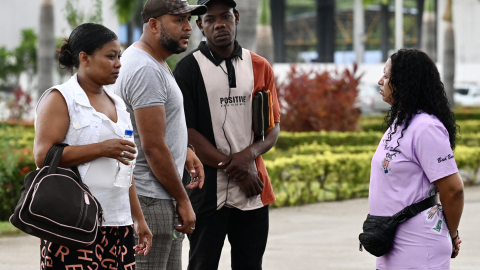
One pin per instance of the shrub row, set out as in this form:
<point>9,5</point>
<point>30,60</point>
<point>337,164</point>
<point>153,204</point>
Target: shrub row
<point>471,113</point>
<point>287,140</point>
<point>17,136</point>
<point>303,179</point>
<point>315,148</point>
<point>304,167</point>
<point>314,178</point>
<point>466,126</point>
<point>23,136</point>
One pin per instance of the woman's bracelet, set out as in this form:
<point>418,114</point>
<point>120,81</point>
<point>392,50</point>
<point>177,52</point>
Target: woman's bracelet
<point>454,238</point>
<point>191,147</point>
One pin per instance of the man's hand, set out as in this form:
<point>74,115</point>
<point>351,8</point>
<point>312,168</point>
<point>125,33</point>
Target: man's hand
<point>251,185</point>
<point>186,217</point>
<point>144,238</point>
<point>195,167</point>
<point>239,165</point>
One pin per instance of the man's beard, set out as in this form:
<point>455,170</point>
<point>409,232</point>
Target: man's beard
<point>168,43</point>
<point>224,46</point>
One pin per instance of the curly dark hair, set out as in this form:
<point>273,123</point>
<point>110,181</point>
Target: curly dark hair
<point>416,87</point>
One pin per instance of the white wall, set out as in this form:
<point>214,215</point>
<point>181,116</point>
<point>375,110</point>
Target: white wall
<point>19,14</point>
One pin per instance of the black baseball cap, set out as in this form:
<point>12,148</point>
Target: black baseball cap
<point>157,8</point>
<point>228,2</point>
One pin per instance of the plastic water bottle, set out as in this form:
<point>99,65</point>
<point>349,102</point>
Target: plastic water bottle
<point>176,234</point>
<point>125,172</point>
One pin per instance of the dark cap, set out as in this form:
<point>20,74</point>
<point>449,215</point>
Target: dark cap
<point>228,2</point>
<point>157,8</point>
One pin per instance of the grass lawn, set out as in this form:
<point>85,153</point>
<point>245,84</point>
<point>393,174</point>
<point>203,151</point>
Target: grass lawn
<point>7,229</point>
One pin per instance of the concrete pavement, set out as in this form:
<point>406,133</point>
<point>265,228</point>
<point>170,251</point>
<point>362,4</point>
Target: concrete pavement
<point>317,236</point>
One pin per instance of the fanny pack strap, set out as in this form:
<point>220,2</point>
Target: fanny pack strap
<point>412,210</point>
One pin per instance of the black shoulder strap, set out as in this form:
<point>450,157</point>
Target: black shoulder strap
<point>53,159</point>
<point>51,153</point>
<point>57,156</point>
<point>412,210</point>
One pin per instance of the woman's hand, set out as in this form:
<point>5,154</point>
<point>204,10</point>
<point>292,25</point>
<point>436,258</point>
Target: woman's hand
<point>456,241</point>
<point>115,147</point>
<point>144,238</point>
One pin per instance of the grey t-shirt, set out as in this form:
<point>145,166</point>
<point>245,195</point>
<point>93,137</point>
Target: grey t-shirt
<point>143,83</point>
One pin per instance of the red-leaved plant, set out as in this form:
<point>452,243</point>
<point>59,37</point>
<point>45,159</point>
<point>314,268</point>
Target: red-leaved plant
<point>314,101</point>
<point>19,105</point>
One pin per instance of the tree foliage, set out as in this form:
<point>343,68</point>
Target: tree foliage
<point>76,16</point>
<point>127,9</point>
<point>23,58</point>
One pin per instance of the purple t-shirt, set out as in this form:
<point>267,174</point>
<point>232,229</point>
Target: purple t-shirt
<point>401,179</point>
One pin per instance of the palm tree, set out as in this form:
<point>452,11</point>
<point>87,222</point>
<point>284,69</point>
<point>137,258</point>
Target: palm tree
<point>428,42</point>
<point>449,54</point>
<point>264,33</point>
<point>247,28</point>
<point>358,30</point>
<point>46,47</point>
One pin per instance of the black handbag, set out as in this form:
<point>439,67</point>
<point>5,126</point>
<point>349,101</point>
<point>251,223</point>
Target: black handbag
<point>379,232</point>
<point>260,114</point>
<point>56,205</point>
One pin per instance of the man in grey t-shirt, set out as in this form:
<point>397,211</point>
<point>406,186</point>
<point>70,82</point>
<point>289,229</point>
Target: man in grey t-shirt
<point>155,104</point>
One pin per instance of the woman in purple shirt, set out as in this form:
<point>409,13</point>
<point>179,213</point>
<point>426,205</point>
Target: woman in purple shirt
<point>414,161</point>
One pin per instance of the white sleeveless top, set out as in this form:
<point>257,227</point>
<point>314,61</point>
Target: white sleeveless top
<point>87,126</point>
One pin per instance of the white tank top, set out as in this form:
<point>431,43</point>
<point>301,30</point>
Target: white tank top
<point>100,177</point>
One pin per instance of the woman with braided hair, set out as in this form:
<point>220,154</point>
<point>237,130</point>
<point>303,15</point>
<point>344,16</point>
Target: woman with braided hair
<point>418,144</point>
<point>92,120</point>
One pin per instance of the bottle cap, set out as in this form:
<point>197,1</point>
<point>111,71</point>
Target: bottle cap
<point>128,132</point>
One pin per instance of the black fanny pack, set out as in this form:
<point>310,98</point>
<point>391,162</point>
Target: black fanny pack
<point>378,232</point>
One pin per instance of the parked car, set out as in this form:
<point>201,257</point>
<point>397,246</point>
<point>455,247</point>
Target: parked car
<point>467,94</point>
<point>370,101</point>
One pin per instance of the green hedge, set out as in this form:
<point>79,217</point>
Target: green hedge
<point>472,113</point>
<point>315,148</point>
<point>466,126</point>
<point>314,178</point>
<point>22,136</point>
<point>17,136</point>
<point>304,167</point>
<point>467,115</point>
<point>302,179</point>
<point>287,140</point>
